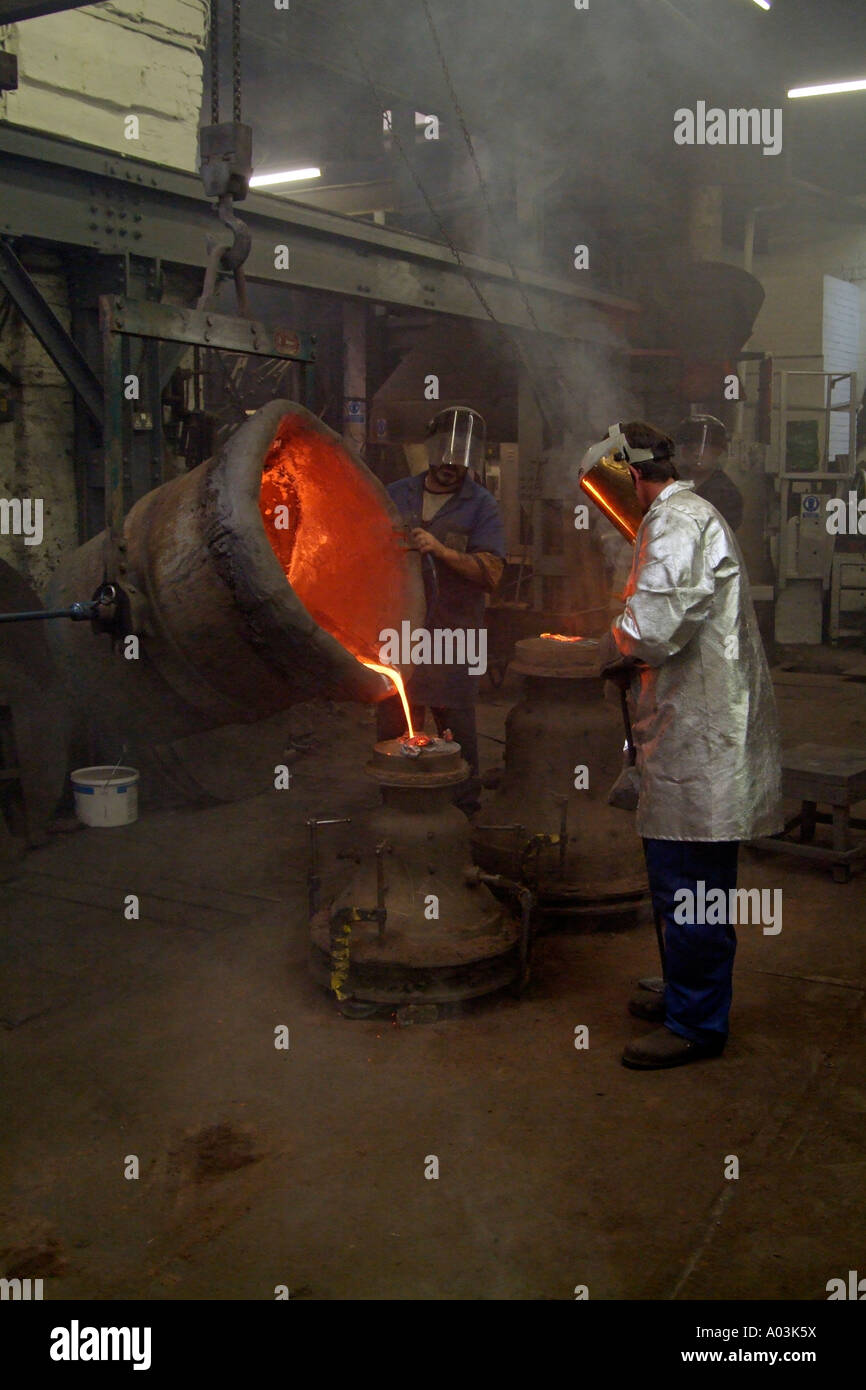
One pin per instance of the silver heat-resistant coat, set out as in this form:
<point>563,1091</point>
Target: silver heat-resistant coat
<point>703,709</point>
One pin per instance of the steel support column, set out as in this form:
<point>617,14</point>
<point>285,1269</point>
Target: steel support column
<point>43,321</point>
<point>355,375</point>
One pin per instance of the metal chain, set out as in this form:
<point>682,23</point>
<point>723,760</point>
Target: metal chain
<point>535,385</point>
<point>381,103</point>
<point>236,59</point>
<point>214,63</point>
<point>515,338</point>
<point>464,130</point>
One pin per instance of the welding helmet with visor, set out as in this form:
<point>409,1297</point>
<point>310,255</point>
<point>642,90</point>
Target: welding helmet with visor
<point>456,438</point>
<point>605,478</point>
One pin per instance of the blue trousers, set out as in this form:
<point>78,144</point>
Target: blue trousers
<point>699,956</point>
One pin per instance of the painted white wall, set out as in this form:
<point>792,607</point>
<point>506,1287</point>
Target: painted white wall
<point>791,320</point>
<point>814,313</point>
<point>841,340</point>
<point>82,72</point>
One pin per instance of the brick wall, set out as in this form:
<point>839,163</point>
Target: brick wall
<point>81,72</point>
<point>36,457</point>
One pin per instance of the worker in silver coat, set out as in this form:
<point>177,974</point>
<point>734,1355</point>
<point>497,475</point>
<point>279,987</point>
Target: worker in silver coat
<point>706,735</point>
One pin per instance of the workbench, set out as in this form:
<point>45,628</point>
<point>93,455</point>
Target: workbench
<point>817,774</point>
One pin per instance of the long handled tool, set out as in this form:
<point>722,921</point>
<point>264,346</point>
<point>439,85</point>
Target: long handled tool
<point>626,719</point>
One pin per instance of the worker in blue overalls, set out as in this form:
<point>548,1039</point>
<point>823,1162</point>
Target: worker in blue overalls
<point>453,520</point>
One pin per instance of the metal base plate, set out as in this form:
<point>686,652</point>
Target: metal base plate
<point>381,983</point>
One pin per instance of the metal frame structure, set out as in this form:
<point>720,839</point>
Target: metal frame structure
<point>821,774</point>
<point>121,220</point>
<point>803,551</point>
<point>789,477</point>
<point>59,191</point>
<point>122,319</point>
<point>44,323</point>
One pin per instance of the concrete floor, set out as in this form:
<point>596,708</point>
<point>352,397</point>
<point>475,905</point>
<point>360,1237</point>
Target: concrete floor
<point>305,1168</point>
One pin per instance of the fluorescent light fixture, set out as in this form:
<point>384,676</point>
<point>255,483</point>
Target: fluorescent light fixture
<point>764,4</point>
<point>287,176</point>
<point>826,88</point>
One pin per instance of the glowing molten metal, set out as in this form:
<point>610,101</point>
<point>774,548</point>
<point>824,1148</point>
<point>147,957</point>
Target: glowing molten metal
<point>394,676</point>
<point>335,541</point>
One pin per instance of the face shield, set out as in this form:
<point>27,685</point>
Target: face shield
<point>456,443</point>
<point>700,441</point>
<point>605,478</point>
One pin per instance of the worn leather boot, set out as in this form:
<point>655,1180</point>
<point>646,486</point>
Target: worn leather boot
<point>648,1000</point>
<point>662,1048</point>
<point>644,1003</point>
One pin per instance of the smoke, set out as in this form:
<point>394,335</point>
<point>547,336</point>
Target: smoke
<point>589,391</point>
<point>570,114</point>
<point>569,106</point>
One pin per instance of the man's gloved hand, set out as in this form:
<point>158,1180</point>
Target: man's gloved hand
<point>608,651</point>
<point>614,667</point>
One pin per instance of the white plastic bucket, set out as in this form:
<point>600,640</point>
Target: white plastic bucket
<point>106,795</point>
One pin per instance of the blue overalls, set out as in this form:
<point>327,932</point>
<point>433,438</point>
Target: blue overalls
<point>699,955</point>
<point>468,521</point>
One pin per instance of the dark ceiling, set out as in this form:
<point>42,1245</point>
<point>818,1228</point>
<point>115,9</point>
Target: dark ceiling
<point>581,102</point>
<point>572,89</point>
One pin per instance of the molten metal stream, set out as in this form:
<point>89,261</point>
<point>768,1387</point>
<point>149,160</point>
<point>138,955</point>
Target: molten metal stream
<point>397,679</point>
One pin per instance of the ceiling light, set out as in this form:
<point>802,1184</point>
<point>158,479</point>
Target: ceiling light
<point>287,176</point>
<point>764,4</point>
<point>826,88</point>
